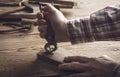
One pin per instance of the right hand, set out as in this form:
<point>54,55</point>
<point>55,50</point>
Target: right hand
<point>58,21</point>
<point>89,67</point>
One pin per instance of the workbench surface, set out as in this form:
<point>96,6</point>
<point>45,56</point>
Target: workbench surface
<point>18,51</point>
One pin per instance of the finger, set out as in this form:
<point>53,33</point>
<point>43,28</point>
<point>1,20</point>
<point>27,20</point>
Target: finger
<point>42,28</point>
<point>74,66</point>
<point>39,16</point>
<point>80,59</point>
<point>42,35</point>
<point>105,57</point>
<point>85,74</point>
<point>41,22</point>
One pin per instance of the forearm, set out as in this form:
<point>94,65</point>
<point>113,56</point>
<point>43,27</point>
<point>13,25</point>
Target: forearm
<point>105,23</point>
<point>101,25</point>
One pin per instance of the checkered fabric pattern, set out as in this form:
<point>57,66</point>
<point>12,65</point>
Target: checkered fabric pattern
<point>102,25</point>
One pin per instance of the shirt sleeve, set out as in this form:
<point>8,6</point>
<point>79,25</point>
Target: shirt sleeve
<point>102,25</point>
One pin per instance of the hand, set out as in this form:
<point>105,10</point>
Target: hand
<point>88,67</point>
<point>58,21</point>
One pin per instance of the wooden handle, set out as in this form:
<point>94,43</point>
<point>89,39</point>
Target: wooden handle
<point>6,12</point>
<point>62,2</point>
<point>57,5</point>
<point>9,3</point>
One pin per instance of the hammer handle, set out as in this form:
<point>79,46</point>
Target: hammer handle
<point>6,12</point>
<point>57,5</point>
<point>9,3</point>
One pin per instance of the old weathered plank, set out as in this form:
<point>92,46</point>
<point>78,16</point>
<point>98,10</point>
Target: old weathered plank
<point>18,52</point>
<point>56,58</point>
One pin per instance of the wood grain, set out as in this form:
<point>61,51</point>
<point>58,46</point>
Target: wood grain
<point>18,52</point>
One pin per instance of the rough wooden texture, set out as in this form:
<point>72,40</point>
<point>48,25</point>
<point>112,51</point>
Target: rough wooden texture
<point>18,52</point>
<point>56,57</point>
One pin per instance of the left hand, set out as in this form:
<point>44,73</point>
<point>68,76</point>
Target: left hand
<point>88,67</point>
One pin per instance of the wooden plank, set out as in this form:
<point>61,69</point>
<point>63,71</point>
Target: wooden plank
<point>64,2</point>
<point>57,5</point>
<point>56,58</point>
<point>95,49</point>
<point>18,51</point>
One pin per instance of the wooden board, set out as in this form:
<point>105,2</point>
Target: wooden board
<point>64,2</point>
<point>56,58</point>
<point>18,52</point>
<point>95,49</point>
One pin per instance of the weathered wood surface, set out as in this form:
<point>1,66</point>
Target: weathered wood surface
<point>25,14</point>
<point>18,51</point>
<point>20,14</point>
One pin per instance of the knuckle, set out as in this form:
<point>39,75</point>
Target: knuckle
<point>39,16</point>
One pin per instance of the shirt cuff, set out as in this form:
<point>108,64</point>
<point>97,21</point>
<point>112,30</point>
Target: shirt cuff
<point>79,30</point>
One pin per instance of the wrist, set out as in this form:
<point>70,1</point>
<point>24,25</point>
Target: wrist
<point>62,32</point>
<point>116,71</point>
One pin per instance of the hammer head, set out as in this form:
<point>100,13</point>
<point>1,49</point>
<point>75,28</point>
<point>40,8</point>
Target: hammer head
<point>28,7</point>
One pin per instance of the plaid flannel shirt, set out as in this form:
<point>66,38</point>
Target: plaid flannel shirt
<point>101,25</point>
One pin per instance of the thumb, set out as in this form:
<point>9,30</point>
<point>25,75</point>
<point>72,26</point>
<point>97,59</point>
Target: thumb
<point>49,8</point>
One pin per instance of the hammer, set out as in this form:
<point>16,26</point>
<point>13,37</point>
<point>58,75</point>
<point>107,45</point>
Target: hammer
<point>24,5</point>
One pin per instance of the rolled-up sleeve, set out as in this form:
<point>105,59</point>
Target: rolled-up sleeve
<point>101,25</point>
